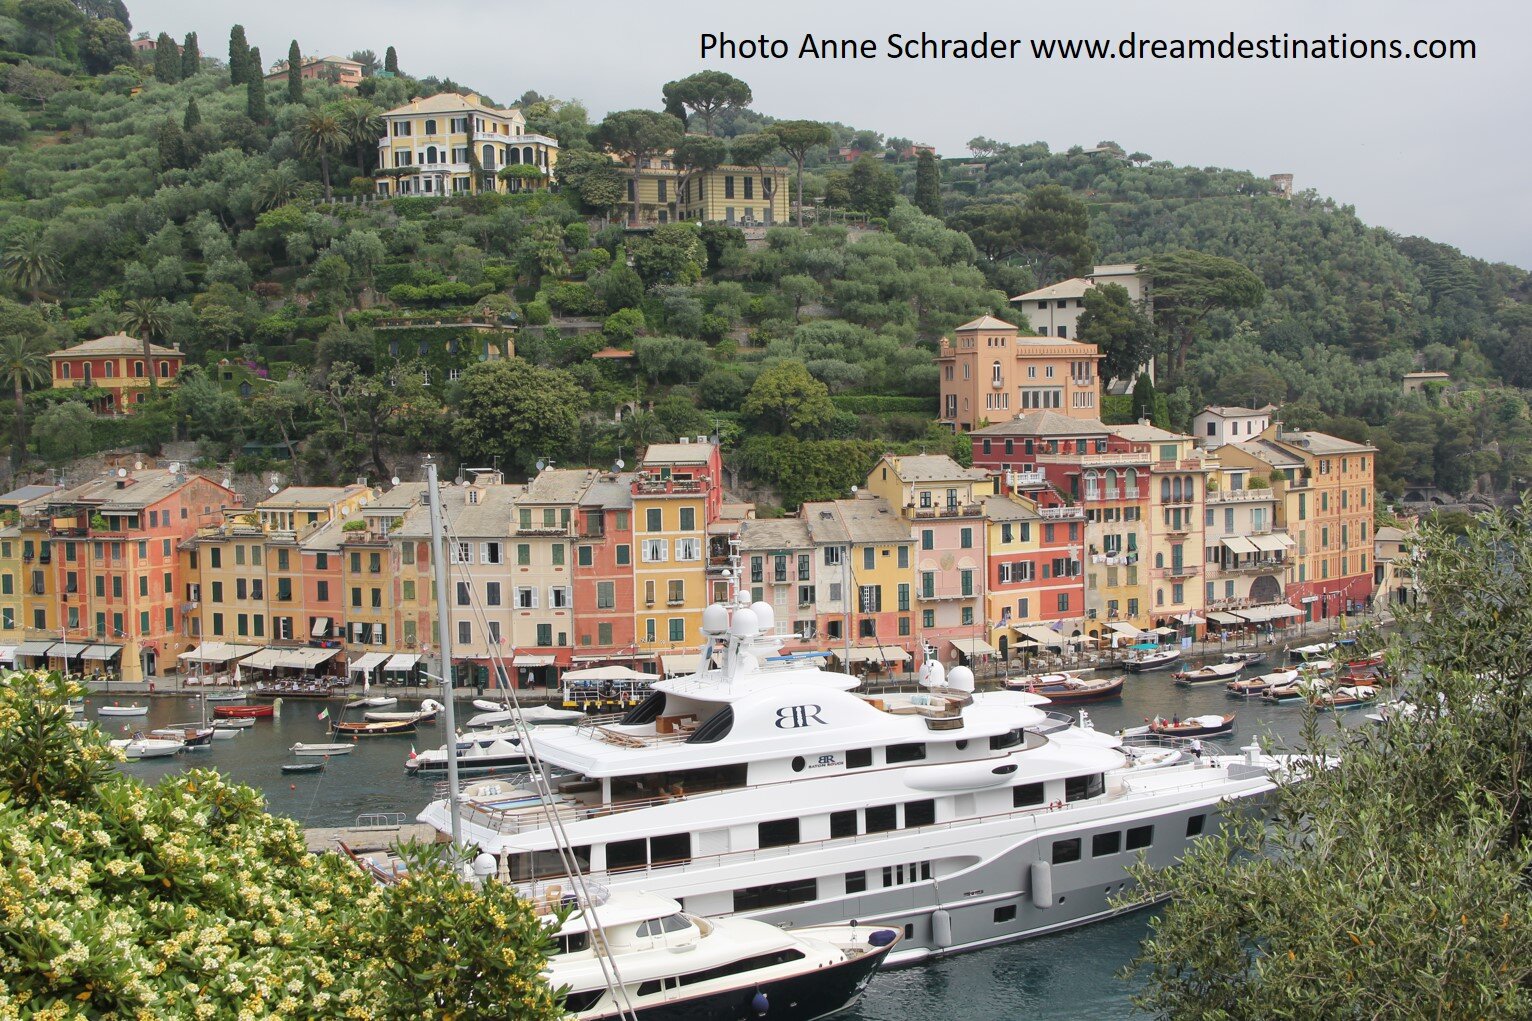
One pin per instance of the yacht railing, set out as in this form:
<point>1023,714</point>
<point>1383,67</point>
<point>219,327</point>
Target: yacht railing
<point>1055,722</point>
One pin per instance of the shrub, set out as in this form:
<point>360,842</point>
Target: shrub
<point>537,313</point>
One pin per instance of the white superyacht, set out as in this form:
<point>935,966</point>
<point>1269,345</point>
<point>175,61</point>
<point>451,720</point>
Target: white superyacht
<point>769,787</point>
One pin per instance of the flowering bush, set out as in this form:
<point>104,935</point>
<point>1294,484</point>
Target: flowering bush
<point>187,900</point>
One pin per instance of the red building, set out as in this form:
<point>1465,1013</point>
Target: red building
<point>116,365</point>
<point>603,575</point>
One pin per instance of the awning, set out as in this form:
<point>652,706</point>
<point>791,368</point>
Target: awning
<point>1124,628</point>
<point>400,662</point>
<point>1041,635</point>
<point>366,662</point>
<point>1261,614</point>
<point>67,650</point>
<point>972,647</point>
<point>1164,631</point>
<point>7,653</point>
<point>606,673</point>
<point>102,653</point>
<point>1225,618</point>
<point>1190,619</point>
<point>218,652</point>
<point>296,659</point>
<point>1239,544</point>
<point>673,663</point>
<point>1271,543</point>
<point>875,654</point>
<point>527,660</point>
<point>319,627</point>
<point>34,648</point>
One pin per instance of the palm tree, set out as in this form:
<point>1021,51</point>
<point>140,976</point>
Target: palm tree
<point>30,264</point>
<point>146,318</point>
<point>320,134</point>
<point>24,361</point>
<point>277,187</point>
<point>363,127</point>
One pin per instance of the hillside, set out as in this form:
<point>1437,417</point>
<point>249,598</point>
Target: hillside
<point>141,194</point>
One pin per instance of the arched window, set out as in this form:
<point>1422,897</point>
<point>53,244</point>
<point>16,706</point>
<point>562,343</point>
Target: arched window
<point>430,154</point>
<point>1111,483</point>
<point>1164,490</point>
<point>1132,478</point>
<point>108,369</point>
<point>164,370</point>
<point>1175,488</point>
<point>1159,560</point>
<point>994,374</point>
<point>431,127</point>
<point>64,371</point>
<point>1189,489</point>
<point>138,369</point>
<point>513,155</point>
<point>489,157</point>
<point>1091,481</point>
<point>526,155</point>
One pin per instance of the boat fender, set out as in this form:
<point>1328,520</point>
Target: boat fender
<point>882,938</point>
<point>1042,884</point>
<point>941,928</point>
<point>760,1004</point>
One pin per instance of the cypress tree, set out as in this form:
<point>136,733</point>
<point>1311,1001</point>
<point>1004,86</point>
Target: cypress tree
<point>255,90</point>
<point>167,59</point>
<point>193,115</point>
<point>928,191</point>
<point>239,56</point>
<point>391,61</point>
<point>294,73</point>
<point>172,146</point>
<point>191,56</point>
<point>1143,397</point>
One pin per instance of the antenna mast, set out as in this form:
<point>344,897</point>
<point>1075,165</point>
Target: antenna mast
<point>444,643</point>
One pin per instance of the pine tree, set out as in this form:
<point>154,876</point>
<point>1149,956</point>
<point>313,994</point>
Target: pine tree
<point>391,61</point>
<point>193,115</point>
<point>294,73</point>
<point>191,56</point>
<point>167,59</point>
<point>239,56</point>
<point>928,190</point>
<point>255,90</point>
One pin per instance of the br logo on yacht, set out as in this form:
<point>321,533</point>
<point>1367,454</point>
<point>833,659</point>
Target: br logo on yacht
<point>791,717</point>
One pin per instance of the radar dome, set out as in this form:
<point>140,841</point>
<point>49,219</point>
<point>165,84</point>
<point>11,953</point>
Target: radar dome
<point>485,865</point>
<point>765,615</point>
<point>960,678</point>
<point>745,624</point>
<point>932,673</point>
<point>715,619</point>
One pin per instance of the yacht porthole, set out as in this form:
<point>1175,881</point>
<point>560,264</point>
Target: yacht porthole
<point>962,744</point>
<point>798,764</point>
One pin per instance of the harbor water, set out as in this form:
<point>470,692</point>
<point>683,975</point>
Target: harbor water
<point>1073,975</point>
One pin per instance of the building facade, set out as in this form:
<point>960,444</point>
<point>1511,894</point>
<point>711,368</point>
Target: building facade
<point>736,195</point>
<point>116,366</point>
<point>677,491</point>
<point>452,144</point>
<point>989,373</point>
<point>1214,426</point>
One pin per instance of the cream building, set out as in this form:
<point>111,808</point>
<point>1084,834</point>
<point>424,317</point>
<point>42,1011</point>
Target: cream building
<point>430,147</point>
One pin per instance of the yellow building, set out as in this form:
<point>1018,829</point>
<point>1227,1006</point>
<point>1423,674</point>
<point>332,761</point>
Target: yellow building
<point>677,493</point>
<point>744,196</point>
<point>20,571</point>
<point>1177,504</point>
<point>431,146</point>
<point>868,553</point>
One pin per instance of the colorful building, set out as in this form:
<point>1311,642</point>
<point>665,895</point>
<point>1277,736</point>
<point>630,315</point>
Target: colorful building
<point>116,366</point>
<point>868,544</point>
<point>1012,593</point>
<point>18,555</point>
<point>1246,553</point>
<point>990,373</point>
<point>678,490</point>
<point>778,561</point>
<point>339,70</point>
<point>736,195</point>
<point>603,575</point>
<point>452,144</point>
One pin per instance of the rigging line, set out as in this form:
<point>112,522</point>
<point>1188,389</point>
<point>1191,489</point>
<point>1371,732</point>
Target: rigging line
<point>539,774</point>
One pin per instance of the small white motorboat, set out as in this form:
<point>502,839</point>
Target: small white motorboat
<point>234,723</point>
<point>425,714</point>
<point>1156,660</point>
<point>76,706</point>
<point>225,733</point>
<point>373,702</point>
<point>321,749</point>
<point>502,716</point>
<point>235,695</point>
<point>122,710</point>
<point>1212,673</point>
<point>147,747</point>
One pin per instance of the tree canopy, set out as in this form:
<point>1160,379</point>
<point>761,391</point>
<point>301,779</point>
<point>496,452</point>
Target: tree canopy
<point>707,94</point>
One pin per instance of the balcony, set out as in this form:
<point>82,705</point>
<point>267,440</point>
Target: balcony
<point>667,487</point>
<point>1023,479</point>
<point>1254,567</point>
<point>1178,571</point>
<point>1061,513</point>
<point>1108,460</point>
<point>553,530</point>
<point>1186,464</point>
<point>1238,495</point>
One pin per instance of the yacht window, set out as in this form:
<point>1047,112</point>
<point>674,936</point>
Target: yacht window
<point>572,943</point>
<point>1105,843</point>
<point>576,1003</point>
<point>772,895</point>
<point>673,847</point>
<point>715,729</point>
<point>859,758</point>
<point>544,864</point>
<point>1005,913</point>
<point>778,833</point>
<point>670,923</point>
<point>881,818</point>
<point>740,967</point>
<point>842,824</point>
<point>919,813</point>
<point>1009,739</point>
<point>1140,836</point>
<point>856,882</point>
<point>1194,825</point>
<point>646,711</point>
<point>653,985</point>
<point>1026,795</point>
<point>1079,788</point>
<point>905,753</point>
<point>1005,770</point>
<point>1066,850</point>
<point>626,854</point>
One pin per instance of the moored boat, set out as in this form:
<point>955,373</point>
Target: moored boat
<point>1159,659</point>
<point>140,747</point>
<point>373,702</point>
<point>499,748</point>
<point>228,695</point>
<point>312,750</point>
<point>1352,696</point>
<point>502,716</point>
<point>245,712</point>
<point>1066,689</point>
<point>1212,673</point>
<point>192,735</point>
<point>235,724</point>
<point>386,728</point>
<point>302,767</point>
<point>1259,685</point>
<point>122,710</point>
<point>1210,725</point>
<point>425,714</point>
<point>1249,659</point>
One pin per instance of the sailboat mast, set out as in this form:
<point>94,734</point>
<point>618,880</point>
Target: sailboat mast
<point>443,643</point>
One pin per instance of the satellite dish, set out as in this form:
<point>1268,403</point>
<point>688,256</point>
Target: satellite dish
<point>853,489</point>
<point>541,464</point>
<point>122,473</point>
<point>175,466</point>
<point>273,489</point>
<point>394,480</point>
<point>621,464</point>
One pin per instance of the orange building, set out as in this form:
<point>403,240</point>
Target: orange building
<point>992,373</point>
<point>116,365</point>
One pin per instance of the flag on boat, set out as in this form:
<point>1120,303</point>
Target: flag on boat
<point>412,751</point>
<point>324,714</point>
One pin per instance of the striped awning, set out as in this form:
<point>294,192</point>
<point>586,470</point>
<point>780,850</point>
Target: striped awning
<point>7,653</point>
<point>1239,544</point>
<point>1124,628</point>
<point>34,648</point>
<point>102,653</point>
<point>526,659</point>
<point>366,662</point>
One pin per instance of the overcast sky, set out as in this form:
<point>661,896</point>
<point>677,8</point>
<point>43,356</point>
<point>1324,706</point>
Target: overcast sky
<point>1422,147</point>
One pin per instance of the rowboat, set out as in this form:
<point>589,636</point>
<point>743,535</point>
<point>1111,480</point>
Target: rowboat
<point>1249,659</point>
<point>226,733</point>
<point>236,695</point>
<point>122,710</point>
<point>384,728</point>
<point>245,712</point>
<point>373,702</point>
<point>189,734</point>
<point>1211,725</point>
<point>1260,685</point>
<point>1074,689</point>
<point>237,724</point>
<point>321,749</point>
<point>1353,696</point>
<point>1212,673</point>
<point>1027,682</point>
<point>302,767</point>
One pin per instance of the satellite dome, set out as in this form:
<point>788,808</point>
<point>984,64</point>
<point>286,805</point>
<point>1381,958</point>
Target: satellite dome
<point>485,865</point>
<point>765,615</point>
<point>715,619</point>
<point>745,623</point>
<point>960,678</point>
<point>932,673</point>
